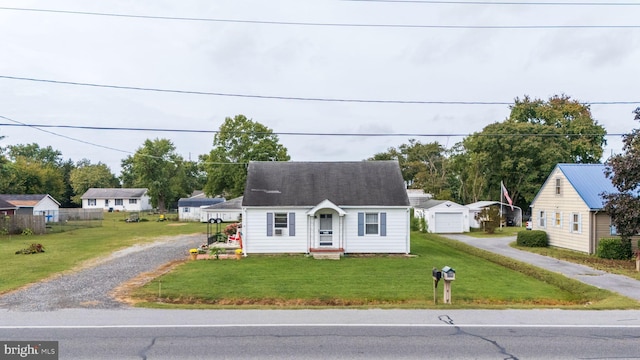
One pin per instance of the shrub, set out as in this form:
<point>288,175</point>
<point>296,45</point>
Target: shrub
<point>532,238</point>
<point>614,248</point>
<point>32,249</point>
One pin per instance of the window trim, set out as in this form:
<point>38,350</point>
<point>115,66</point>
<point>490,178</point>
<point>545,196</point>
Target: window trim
<point>557,219</point>
<point>576,223</point>
<point>118,202</point>
<point>368,225</point>
<point>92,202</point>
<point>558,187</point>
<point>542,219</point>
<point>280,216</point>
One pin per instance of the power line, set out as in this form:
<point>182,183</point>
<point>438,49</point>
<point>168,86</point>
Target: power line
<point>292,98</point>
<point>505,3</point>
<point>326,24</point>
<point>109,128</point>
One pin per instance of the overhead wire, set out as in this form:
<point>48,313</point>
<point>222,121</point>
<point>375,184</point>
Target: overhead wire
<point>293,98</point>
<point>329,24</point>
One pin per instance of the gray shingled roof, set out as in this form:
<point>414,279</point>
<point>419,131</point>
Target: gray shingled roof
<point>233,204</point>
<point>361,183</point>
<point>4,205</point>
<point>114,193</point>
<point>198,201</point>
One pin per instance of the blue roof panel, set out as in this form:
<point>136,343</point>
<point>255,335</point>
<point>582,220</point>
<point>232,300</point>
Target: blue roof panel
<point>589,181</point>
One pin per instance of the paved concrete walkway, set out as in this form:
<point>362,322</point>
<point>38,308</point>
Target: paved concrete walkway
<point>618,283</point>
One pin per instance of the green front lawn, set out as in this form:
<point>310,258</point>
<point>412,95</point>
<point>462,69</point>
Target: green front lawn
<point>484,280</point>
<point>68,249</point>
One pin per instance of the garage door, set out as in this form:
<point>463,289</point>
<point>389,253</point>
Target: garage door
<point>448,223</point>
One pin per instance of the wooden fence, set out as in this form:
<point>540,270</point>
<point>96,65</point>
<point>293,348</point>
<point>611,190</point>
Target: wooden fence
<point>16,224</point>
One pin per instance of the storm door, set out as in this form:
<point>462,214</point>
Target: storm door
<point>326,230</point>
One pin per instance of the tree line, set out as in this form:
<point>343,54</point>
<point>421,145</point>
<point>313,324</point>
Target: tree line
<point>520,151</point>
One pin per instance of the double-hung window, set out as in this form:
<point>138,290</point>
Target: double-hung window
<point>91,202</point>
<point>119,202</point>
<point>576,224</point>
<point>542,219</point>
<point>371,224</point>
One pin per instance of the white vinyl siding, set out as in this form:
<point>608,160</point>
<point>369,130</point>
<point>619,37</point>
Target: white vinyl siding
<point>394,240</point>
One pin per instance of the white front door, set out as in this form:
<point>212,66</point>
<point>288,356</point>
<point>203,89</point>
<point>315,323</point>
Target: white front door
<point>326,230</point>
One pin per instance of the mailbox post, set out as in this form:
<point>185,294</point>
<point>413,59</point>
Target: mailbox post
<point>436,274</point>
<point>448,275</point>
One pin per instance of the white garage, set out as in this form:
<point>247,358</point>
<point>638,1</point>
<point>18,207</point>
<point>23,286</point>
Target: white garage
<point>443,216</point>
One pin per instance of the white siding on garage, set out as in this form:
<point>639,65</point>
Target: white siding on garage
<point>448,223</point>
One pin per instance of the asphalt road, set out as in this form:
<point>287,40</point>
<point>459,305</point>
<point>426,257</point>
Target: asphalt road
<point>330,334</point>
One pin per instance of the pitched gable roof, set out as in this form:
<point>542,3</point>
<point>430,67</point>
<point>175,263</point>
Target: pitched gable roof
<point>589,181</point>
<point>233,204</point>
<point>114,193</point>
<point>361,183</point>
<point>26,200</point>
<point>198,201</point>
<point>4,205</point>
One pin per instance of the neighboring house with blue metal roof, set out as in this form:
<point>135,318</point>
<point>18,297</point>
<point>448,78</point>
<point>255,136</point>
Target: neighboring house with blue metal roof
<point>189,209</point>
<point>568,207</point>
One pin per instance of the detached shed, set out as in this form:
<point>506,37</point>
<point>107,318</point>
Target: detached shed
<point>443,216</point>
<point>227,211</point>
<point>189,209</point>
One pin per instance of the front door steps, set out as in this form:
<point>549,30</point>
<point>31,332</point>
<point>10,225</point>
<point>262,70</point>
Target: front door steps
<point>326,253</point>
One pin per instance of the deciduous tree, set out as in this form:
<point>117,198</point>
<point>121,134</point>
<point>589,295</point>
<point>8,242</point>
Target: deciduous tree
<point>86,175</point>
<point>157,167</point>
<point>624,172</point>
<point>238,141</point>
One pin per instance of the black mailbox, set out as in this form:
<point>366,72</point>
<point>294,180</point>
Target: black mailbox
<point>437,274</point>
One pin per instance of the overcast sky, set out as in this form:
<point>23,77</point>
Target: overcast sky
<point>391,64</point>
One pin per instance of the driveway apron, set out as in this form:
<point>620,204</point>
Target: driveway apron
<point>91,287</point>
<point>500,245</point>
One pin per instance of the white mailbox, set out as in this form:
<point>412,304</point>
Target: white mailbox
<point>448,273</point>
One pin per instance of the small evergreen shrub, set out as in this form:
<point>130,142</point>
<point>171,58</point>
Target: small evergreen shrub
<point>532,238</point>
<point>614,248</point>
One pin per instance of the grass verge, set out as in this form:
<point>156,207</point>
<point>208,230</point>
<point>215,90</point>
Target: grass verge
<point>484,280</point>
<point>620,267</point>
<point>70,249</point>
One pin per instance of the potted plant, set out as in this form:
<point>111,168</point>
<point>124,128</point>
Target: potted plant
<point>193,253</point>
<point>238,254</point>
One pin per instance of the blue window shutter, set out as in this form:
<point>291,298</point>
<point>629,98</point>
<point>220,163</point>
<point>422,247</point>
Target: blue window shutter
<point>383,224</point>
<point>292,224</point>
<point>269,224</point>
<point>360,224</point>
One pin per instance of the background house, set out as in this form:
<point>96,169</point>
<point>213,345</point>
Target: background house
<point>117,199</point>
<point>306,207</point>
<point>6,208</point>
<point>568,207</point>
<point>475,208</point>
<point>190,209</point>
<point>34,204</point>
<point>443,216</point>
<point>228,211</point>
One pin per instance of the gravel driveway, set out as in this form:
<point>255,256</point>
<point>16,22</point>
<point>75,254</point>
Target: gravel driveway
<point>91,287</point>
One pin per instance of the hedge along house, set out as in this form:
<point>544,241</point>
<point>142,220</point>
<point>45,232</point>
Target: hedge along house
<point>569,205</point>
<point>316,207</point>
<point>117,199</point>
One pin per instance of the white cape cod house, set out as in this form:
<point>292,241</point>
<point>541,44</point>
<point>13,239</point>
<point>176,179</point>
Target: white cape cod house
<point>342,207</point>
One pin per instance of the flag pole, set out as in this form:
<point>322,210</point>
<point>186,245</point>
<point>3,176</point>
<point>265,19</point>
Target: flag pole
<point>501,196</point>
